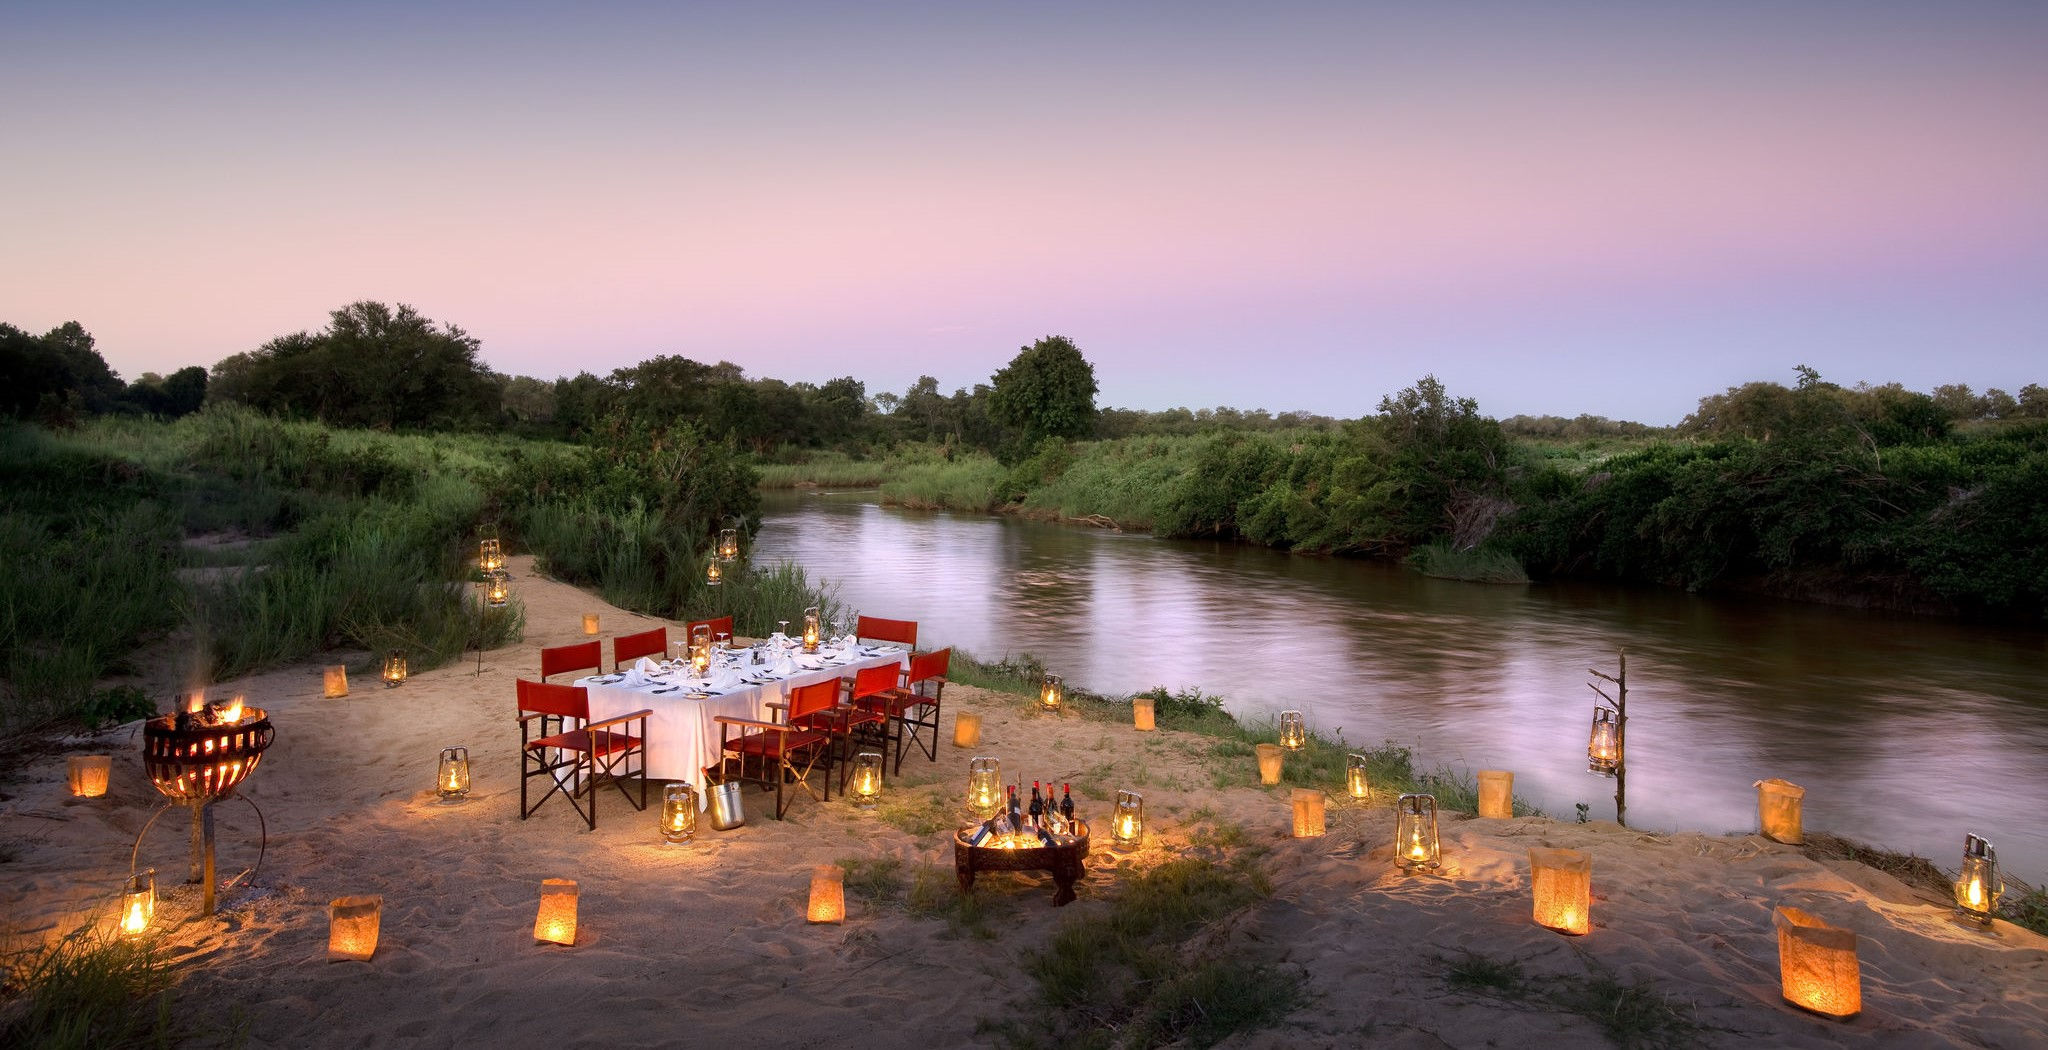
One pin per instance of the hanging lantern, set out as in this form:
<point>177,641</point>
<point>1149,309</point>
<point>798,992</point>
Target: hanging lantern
<point>678,813</point>
<point>556,921</point>
<point>700,650</point>
<point>966,730</point>
<point>1269,762</point>
<point>984,787</point>
<point>1777,810</point>
<point>138,903</point>
<point>1415,841</point>
<point>1052,692</point>
<point>1141,714</point>
<point>394,669</point>
<point>497,590</point>
<point>230,713</point>
<point>1561,881</point>
<point>714,575</point>
<point>867,779</point>
<point>352,927</point>
<point>812,629</point>
<point>1496,794</point>
<point>1979,886</point>
<point>1127,824</point>
<point>88,774</point>
<point>334,681</point>
<point>590,623</point>
<point>452,782</point>
<point>1603,748</point>
<point>490,558</point>
<point>1817,966</point>
<point>1355,781</point>
<point>828,894</point>
<point>1308,813</point>
<point>1293,731</point>
<point>728,544</point>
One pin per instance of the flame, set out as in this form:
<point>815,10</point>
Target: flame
<point>195,701</point>
<point>135,921</point>
<point>1973,891</point>
<point>232,712</point>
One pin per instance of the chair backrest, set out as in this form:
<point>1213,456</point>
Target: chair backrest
<point>564,701</point>
<point>871,680</point>
<point>875,627</point>
<point>571,658</point>
<point>927,666</point>
<point>716,625</point>
<point>633,646</point>
<point>810,699</point>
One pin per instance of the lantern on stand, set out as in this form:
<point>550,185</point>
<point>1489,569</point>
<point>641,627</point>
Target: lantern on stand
<point>1415,841</point>
<point>1496,794</point>
<point>1127,822</point>
<point>1308,813</point>
<point>490,557</point>
<point>966,730</point>
<point>1603,747</point>
<point>867,779</point>
<point>728,545</point>
<point>555,923</point>
<point>352,926</point>
<point>678,813</point>
<point>451,782</point>
<point>1269,762</point>
<point>334,681</point>
<point>394,669</point>
<point>828,894</point>
<point>1355,782</point>
<point>984,787</point>
<point>714,574</point>
<point>1778,805</point>
<point>88,774</point>
<point>1293,731</point>
<point>1141,714</point>
<point>1979,886</point>
<point>1561,881</point>
<point>1817,968</point>
<point>812,629</point>
<point>138,902</point>
<point>497,590</point>
<point>1052,693</point>
<point>590,621</point>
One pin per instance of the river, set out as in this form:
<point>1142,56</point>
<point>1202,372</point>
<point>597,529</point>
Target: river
<point>1905,731</point>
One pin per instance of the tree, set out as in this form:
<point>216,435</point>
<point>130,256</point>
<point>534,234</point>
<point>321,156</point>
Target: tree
<point>372,367</point>
<point>54,377</point>
<point>1046,391</point>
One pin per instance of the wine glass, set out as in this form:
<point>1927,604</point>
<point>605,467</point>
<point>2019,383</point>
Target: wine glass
<point>781,638</point>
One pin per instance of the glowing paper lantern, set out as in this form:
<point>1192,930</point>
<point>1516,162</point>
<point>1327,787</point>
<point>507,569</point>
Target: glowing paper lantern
<point>966,730</point>
<point>556,921</point>
<point>984,786</point>
<point>1308,813</point>
<point>1415,841</point>
<point>678,813</point>
<point>1561,881</point>
<point>1293,731</point>
<point>1777,810</point>
<point>828,894</point>
<point>1052,692</point>
<point>394,669</point>
<point>590,621</point>
<point>1127,823</point>
<point>352,927</point>
<point>1817,965</point>
<point>1979,885</point>
<point>451,782</point>
<point>1269,762</point>
<point>335,681</point>
<point>138,903</point>
<point>867,779</point>
<point>1496,794</point>
<point>1355,782</point>
<point>88,774</point>
<point>1141,714</point>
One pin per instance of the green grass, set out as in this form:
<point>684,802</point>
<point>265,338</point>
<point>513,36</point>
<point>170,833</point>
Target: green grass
<point>971,482</point>
<point>1482,565</point>
<point>1630,1013</point>
<point>89,990</point>
<point>829,470</point>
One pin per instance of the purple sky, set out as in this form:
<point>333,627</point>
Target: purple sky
<point>1607,208</point>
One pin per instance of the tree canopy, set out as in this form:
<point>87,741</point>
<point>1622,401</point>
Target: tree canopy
<point>372,366</point>
<point>1046,391</point>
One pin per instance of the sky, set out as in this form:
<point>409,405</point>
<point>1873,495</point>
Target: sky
<point>1564,208</point>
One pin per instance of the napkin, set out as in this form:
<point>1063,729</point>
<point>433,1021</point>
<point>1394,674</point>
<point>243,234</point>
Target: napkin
<point>646,666</point>
<point>725,678</point>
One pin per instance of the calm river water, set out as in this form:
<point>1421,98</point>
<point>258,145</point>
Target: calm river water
<point>1904,731</point>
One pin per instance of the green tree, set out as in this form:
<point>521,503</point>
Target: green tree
<point>371,367</point>
<point>55,377</point>
<point>1047,390</point>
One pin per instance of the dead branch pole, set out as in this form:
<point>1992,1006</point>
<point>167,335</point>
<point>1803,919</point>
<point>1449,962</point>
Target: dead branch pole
<point>1619,701</point>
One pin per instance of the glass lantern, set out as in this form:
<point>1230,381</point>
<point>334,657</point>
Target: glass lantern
<point>728,544</point>
<point>1355,781</point>
<point>984,787</point>
<point>490,557</point>
<point>1052,692</point>
<point>1603,747</point>
<point>714,575</point>
<point>813,629</point>
<point>1293,731</point>
<point>1978,887</point>
<point>700,650</point>
<point>678,813</point>
<point>1127,823</point>
<point>394,669</point>
<point>497,590</point>
<point>452,782</point>
<point>138,903</point>
<point>1415,841</point>
<point>867,779</point>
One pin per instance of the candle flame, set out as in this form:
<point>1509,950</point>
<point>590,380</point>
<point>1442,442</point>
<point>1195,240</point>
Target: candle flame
<point>1974,891</point>
<point>137,918</point>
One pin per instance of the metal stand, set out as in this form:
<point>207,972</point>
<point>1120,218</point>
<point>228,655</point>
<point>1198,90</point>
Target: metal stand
<point>1619,701</point>
<point>203,871</point>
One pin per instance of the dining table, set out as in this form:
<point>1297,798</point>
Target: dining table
<point>682,731</point>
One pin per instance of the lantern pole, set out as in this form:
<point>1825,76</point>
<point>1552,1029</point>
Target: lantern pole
<point>1619,701</point>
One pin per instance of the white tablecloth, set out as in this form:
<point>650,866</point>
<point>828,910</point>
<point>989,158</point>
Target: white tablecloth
<point>682,738</point>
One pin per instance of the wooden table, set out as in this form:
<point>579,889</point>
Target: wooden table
<point>1063,861</point>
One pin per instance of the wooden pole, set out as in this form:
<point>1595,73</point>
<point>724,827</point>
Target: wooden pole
<point>1620,703</point>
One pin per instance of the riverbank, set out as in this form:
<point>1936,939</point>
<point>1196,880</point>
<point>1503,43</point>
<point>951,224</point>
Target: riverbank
<point>708,943</point>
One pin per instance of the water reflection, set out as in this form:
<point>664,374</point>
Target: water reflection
<point>1904,731</point>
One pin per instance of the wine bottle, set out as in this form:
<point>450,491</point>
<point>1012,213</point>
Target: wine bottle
<point>1016,815</point>
<point>1067,804</point>
<point>1037,806</point>
<point>983,832</point>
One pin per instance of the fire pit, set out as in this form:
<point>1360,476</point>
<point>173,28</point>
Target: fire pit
<point>1063,860</point>
<point>197,758</point>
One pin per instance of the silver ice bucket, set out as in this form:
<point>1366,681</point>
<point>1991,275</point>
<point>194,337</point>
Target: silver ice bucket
<point>726,811</point>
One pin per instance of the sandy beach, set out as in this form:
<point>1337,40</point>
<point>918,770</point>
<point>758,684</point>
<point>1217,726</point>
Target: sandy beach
<point>708,944</point>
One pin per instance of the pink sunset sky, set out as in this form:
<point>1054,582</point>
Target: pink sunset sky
<point>1612,208</point>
